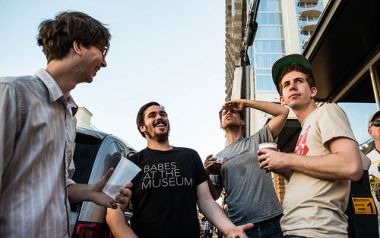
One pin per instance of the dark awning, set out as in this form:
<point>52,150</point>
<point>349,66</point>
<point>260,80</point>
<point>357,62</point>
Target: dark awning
<point>346,38</point>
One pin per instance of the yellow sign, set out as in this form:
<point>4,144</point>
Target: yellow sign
<point>364,206</point>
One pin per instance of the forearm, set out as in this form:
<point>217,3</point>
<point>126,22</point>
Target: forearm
<point>330,167</point>
<point>215,215</point>
<point>279,113</point>
<point>271,108</point>
<point>116,221</point>
<point>79,192</point>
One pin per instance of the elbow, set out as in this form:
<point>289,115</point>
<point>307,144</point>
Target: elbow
<point>356,176</point>
<point>355,173</point>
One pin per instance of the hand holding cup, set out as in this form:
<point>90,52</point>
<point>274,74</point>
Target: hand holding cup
<point>263,162</point>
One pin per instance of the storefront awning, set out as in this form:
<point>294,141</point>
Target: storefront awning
<point>347,38</point>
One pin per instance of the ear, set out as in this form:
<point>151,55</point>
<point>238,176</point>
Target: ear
<point>77,48</point>
<point>282,100</point>
<point>242,122</point>
<point>142,128</point>
<point>313,92</point>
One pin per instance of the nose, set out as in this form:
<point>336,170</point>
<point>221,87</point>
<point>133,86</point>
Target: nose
<point>292,85</point>
<point>104,63</point>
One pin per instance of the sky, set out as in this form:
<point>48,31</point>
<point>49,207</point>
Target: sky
<point>168,51</point>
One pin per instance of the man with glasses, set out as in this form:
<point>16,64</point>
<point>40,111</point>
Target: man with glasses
<point>325,159</point>
<point>37,131</point>
<point>250,192</point>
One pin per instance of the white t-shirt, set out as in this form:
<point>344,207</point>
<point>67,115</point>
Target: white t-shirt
<point>374,156</point>
<point>315,207</point>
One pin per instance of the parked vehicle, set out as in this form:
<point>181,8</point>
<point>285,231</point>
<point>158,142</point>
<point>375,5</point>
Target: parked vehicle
<point>95,152</point>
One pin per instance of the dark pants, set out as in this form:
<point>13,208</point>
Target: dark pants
<point>266,229</point>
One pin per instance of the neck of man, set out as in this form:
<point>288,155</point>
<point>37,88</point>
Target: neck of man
<point>377,145</point>
<point>155,144</point>
<point>63,75</point>
<point>303,111</point>
<point>233,133</point>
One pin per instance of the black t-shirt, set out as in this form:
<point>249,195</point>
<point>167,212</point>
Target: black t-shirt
<point>165,193</point>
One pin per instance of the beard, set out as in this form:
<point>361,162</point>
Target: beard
<point>163,137</point>
<point>233,127</point>
<point>160,136</point>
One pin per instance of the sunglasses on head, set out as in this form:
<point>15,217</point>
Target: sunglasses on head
<point>375,123</point>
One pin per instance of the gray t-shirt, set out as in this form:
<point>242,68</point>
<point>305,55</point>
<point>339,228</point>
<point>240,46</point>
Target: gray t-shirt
<point>250,192</point>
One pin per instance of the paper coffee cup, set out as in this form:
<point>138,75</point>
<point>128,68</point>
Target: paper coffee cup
<point>268,145</point>
<point>124,172</point>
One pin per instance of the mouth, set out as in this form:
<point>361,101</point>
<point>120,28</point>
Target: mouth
<point>97,68</point>
<point>160,123</point>
<point>293,96</point>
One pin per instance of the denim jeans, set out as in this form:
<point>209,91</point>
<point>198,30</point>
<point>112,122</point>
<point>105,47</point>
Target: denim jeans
<point>270,229</point>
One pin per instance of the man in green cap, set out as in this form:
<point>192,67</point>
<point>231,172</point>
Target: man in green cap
<point>325,159</point>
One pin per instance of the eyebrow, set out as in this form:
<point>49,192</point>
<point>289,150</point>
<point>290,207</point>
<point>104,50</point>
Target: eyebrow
<point>292,79</point>
<point>156,112</point>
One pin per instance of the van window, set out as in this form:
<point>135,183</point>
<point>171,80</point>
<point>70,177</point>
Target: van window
<point>86,148</point>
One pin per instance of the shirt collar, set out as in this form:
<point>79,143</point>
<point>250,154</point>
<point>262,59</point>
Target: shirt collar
<point>55,92</point>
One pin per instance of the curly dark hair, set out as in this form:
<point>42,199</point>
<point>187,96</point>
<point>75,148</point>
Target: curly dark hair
<point>56,36</point>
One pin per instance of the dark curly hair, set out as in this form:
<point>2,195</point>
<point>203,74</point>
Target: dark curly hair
<point>56,36</point>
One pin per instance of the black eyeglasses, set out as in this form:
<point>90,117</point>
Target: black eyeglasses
<point>104,50</point>
<point>375,123</point>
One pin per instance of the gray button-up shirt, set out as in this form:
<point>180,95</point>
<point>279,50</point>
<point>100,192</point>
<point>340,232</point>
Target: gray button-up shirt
<point>37,131</point>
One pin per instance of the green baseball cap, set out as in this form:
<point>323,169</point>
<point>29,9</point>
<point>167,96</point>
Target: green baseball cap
<point>279,65</point>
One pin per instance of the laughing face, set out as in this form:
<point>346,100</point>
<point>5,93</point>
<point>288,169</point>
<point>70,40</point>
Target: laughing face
<point>156,124</point>
<point>93,59</point>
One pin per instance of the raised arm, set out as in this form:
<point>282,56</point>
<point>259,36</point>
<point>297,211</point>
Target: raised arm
<point>279,112</point>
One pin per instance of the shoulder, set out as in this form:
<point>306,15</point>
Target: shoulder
<point>17,80</point>
<point>331,111</point>
<point>21,84</point>
<point>137,155</point>
<point>17,86</point>
<point>184,150</point>
<point>330,107</point>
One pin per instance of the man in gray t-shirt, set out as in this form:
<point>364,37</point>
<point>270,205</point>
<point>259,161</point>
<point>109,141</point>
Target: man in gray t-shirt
<point>250,192</point>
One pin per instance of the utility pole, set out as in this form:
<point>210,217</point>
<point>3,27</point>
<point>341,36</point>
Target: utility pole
<point>249,37</point>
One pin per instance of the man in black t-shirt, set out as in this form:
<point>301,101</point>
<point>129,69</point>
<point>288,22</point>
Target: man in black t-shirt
<point>171,184</point>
